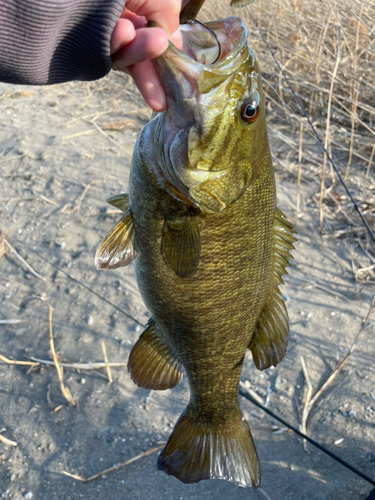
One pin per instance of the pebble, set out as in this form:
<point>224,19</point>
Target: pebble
<point>90,320</point>
<point>83,381</point>
<point>28,495</point>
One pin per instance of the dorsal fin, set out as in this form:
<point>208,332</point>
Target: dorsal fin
<point>118,248</point>
<point>269,342</point>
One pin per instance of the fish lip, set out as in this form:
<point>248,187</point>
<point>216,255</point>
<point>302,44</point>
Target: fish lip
<point>172,50</point>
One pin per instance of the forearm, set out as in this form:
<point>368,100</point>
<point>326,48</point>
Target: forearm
<point>54,41</point>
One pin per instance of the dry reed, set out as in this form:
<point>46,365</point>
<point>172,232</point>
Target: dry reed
<point>327,51</point>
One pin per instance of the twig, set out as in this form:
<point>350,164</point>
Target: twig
<point>65,390</point>
<point>127,124</point>
<point>109,374</point>
<point>13,362</point>
<point>6,441</point>
<point>108,136</point>
<point>80,366</point>
<point>86,132</point>
<point>305,412</point>
<point>22,260</point>
<point>339,368</point>
<point>73,366</point>
<point>4,160</point>
<point>326,140</point>
<point>70,208</point>
<point>47,200</point>
<point>11,321</point>
<point>264,493</point>
<point>355,94</point>
<point>312,284</point>
<point>370,160</point>
<point>115,467</point>
<point>252,393</point>
<point>299,168</point>
<point>2,243</point>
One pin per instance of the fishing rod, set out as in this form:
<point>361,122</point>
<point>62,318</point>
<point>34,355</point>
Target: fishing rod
<point>320,447</point>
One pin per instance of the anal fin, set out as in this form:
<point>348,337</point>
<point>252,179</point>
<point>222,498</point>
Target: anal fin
<point>270,339</point>
<point>151,365</point>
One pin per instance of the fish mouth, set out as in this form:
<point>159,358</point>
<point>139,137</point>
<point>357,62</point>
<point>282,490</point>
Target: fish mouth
<point>211,53</point>
<point>212,42</point>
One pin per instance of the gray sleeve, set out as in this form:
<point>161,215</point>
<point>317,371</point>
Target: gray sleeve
<point>53,41</point>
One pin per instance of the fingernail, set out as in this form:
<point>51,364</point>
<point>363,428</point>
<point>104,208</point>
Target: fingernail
<point>176,39</point>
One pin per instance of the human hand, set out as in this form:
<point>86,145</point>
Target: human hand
<point>133,45</point>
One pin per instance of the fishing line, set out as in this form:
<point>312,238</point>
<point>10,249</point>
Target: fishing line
<point>300,121</point>
<point>316,444</point>
<point>129,316</point>
<point>316,135</point>
<point>212,33</point>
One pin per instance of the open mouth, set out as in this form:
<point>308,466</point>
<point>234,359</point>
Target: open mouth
<point>200,43</point>
<point>210,43</point>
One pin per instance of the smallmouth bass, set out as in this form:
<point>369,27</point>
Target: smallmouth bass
<point>209,248</point>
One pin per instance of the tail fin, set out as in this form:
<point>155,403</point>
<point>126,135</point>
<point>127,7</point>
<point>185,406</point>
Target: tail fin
<point>195,452</point>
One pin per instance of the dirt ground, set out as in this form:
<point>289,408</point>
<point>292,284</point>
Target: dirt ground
<point>56,170</point>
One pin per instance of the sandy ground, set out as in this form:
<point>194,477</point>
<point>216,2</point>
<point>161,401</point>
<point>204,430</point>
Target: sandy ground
<point>50,152</point>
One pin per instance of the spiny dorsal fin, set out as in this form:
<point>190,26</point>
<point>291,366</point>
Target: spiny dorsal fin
<point>117,249</point>
<point>181,245</point>
<point>270,339</point>
<point>120,201</point>
<point>151,365</point>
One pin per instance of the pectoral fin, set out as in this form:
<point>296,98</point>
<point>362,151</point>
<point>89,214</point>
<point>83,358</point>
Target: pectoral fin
<point>181,245</point>
<point>117,249</point>
<point>120,201</point>
<point>269,342</point>
<point>151,365</point>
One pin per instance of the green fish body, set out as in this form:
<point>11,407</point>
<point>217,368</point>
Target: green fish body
<point>209,248</point>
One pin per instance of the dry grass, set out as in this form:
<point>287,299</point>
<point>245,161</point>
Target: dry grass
<point>327,52</point>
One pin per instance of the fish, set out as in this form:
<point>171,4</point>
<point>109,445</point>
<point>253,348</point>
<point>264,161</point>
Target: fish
<point>209,245</point>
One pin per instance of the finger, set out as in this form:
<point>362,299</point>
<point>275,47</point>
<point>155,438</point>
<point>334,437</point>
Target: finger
<point>138,21</point>
<point>176,39</point>
<point>148,83</point>
<point>147,44</point>
<point>165,13</point>
<point>123,34</point>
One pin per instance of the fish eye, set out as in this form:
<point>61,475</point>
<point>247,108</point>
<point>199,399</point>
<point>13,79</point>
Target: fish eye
<point>250,110</point>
